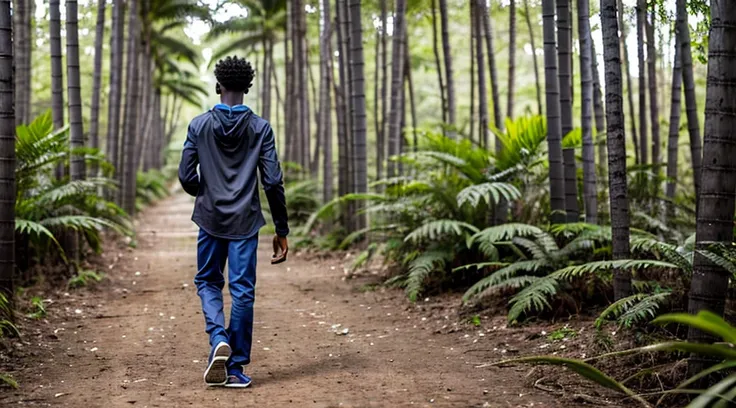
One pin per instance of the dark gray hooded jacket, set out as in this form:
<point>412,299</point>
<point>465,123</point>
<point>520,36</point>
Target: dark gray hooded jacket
<point>230,145</point>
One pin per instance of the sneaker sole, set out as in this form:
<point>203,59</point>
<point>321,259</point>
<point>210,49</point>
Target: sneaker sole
<point>237,385</point>
<point>216,373</point>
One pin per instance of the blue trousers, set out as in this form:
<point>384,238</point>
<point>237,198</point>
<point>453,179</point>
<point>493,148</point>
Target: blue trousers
<point>212,253</point>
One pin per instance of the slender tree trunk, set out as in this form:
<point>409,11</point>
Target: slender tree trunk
<point>590,193</point>
<point>564,35</point>
<point>325,108</point>
<point>528,19</point>
<point>473,39</point>
<point>674,132</point>
<point>289,140</point>
<point>351,221</point>
<point>358,98</point>
<point>377,103</point>
<point>652,78</point>
<point>616,146</point>
<point>447,51</point>
<point>641,18</point>
<point>438,62</point>
<point>131,113</point>
<point>691,103</point>
<point>94,122</point>
<point>342,110</point>
<point>483,125</point>
<point>397,80</point>
<point>710,282</point>
<point>512,60</point>
<point>57,70</point>
<point>412,102</point>
<point>554,129</point>
<point>116,85</point>
<point>7,147</point>
<point>629,87</point>
<point>495,99</point>
<point>266,86</point>
<point>600,121</point>
<point>76,130</point>
<point>21,30</point>
<point>303,83</point>
<point>384,87</point>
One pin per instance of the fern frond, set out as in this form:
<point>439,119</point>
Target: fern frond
<point>643,310</point>
<point>504,232</point>
<point>595,267</point>
<point>532,246</point>
<point>533,297</point>
<point>662,250</point>
<point>719,260</point>
<point>499,277</point>
<point>421,267</point>
<point>490,193</point>
<point>434,230</point>
<point>618,307</point>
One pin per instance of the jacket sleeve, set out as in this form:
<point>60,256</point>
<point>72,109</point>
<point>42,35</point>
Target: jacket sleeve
<point>188,176</point>
<point>273,182</point>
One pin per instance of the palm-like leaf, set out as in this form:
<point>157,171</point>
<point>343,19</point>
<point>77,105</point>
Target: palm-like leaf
<point>437,229</point>
<point>490,193</point>
<point>421,267</point>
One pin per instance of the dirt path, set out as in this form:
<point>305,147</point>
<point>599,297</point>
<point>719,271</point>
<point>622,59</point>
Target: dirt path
<point>138,340</point>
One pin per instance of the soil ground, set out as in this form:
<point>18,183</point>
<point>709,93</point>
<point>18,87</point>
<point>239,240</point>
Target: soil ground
<point>320,340</point>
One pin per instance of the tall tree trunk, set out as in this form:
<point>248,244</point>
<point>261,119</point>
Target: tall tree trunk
<point>600,121</point>
<point>710,282</point>
<point>528,19</point>
<point>30,19</point>
<point>266,85</point>
<point>94,122</point>
<point>641,18</point>
<point>473,39</point>
<point>397,81</point>
<point>590,193</point>
<point>674,132</point>
<point>325,109</point>
<point>76,131</point>
<point>342,110</point>
<point>497,114</point>
<point>438,62</point>
<point>289,120</point>
<point>512,60</point>
<point>691,103</point>
<point>351,222</point>
<point>116,86</point>
<point>483,128</point>
<point>7,147</point>
<point>21,30</point>
<point>652,78</point>
<point>377,107</point>
<point>564,34</point>
<point>57,69</point>
<point>130,131</point>
<point>303,83</point>
<point>412,102</point>
<point>384,87</point>
<point>554,129</point>
<point>629,87</point>
<point>358,99</point>
<point>447,52</point>
<point>616,146</point>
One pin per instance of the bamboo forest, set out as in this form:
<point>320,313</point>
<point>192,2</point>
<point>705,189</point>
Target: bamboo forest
<point>491,203</point>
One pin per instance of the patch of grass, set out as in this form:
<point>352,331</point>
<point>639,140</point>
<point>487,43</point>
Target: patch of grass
<point>84,278</point>
<point>474,320</point>
<point>370,287</point>
<point>562,333</point>
<point>8,380</point>
<point>39,309</point>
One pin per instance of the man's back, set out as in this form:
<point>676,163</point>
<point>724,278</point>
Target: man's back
<point>230,144</point>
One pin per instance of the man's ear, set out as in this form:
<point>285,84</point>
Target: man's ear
<point>218,90</point>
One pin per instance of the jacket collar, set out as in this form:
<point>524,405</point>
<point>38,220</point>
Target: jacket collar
<point>228,109</point>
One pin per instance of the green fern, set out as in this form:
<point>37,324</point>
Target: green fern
<point>490,193</point>
<point>633,309</point>
<point>503,277</point>
<point>537,295</point>
<point>437,229</point>
<point>421,267</point>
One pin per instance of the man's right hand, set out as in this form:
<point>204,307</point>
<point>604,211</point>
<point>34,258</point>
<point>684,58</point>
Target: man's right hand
<point>280,250</point>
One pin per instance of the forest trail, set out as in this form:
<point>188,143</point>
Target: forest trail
<point>138,340</point>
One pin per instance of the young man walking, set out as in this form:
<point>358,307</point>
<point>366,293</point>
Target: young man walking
<point>223,150</point>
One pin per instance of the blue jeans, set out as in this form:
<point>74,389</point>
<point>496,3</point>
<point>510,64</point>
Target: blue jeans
<point>212,252</point>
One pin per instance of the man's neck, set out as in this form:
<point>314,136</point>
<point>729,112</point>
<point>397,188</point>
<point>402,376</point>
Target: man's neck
<point>231,100</point>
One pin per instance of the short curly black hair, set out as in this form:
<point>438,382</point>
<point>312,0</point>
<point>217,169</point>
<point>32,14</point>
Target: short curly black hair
<point>234,74</point>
